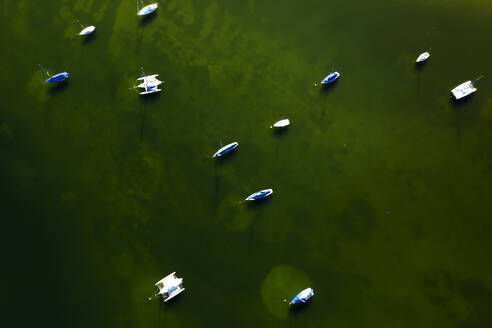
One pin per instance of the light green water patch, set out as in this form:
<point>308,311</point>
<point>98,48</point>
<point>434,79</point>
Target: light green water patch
<point>280,285</point>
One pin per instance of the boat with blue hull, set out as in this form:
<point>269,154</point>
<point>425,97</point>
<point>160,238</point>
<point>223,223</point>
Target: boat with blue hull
<point>330,78</point>
<point>55,78</point>
<point>226,149</point>
<point>260,194</point>
<point>303,296</point>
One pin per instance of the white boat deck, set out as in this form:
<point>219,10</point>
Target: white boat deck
<point>169,286</point>
<point>463,90</point>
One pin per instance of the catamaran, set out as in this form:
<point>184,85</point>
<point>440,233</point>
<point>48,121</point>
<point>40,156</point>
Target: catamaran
<point>55,78</point>
<point>86,30</point>
<point>303,296</point>
<point>169,286</point>
<point>422,57</point>
<point>260,194</point>
<point>465,89</point>
<point>150,83</point>
<point>149,9</point>
<point>226,149</point>
<point>281,124</point>
<point>331,77</point>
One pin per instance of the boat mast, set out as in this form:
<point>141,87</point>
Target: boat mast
<point>82,26</point>
<point>44,72</point>
<point>476,80</point>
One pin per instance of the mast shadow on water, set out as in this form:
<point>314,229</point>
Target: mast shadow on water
<point>458,103</point>
<point>222,160</point>
<point>145,20</point>
<point>58,88</point>
<point>88,38</point>
<point>296,309</point>
<point>149,98</point>
<point>325,89</point>
<point>251,205</point>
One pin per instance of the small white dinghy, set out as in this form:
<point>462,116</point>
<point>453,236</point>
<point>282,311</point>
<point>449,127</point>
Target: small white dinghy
<point>149,9</point>
<point>465,89</point>
<point>423,57</point>
<point>169,286</point>
<point>150,83</point>
<point>86,30</point>
<point>226,149</point>
<point>281,124</point>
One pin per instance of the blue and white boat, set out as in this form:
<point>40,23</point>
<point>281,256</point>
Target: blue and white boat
<point>303,296</point>
<point>330,78</point>
<point>260,194</point>
<point>169,286</point>
<point>149,83</point>
<point>149,9</point>
<point>55,78</point>
<point>226,149</point>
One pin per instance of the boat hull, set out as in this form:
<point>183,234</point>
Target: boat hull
<point>330,78</point>
<point>463,90</point>
<point>423,57</point>
<point>147,10</point>
<point>226,149</point>
<point>281,124</point>
<point>303,296</point>
<point>260,194</point>
<point>57,78</point>
<point>88,30</point>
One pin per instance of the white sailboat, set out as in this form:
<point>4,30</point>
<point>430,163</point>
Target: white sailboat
<point>149,83</point>
<point>86,30</point>
<point>146,10</point>
<point>169,286</point>
<point>281,124</point>
<point>422,57</point>
<point>465,89</point>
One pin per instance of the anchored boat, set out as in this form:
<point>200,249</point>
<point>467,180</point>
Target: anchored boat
<point>86,30</point>
<point>465,89</point>
<point>149,9</point>
<point>149,83</point>
<point>303,296</point>
<point>169,286</point>
<point>331,77</point>
<point>226,149</point>
<point>281,124</point>
<point>260,194</point>
<point>422,57</point>
<point>55,78</point>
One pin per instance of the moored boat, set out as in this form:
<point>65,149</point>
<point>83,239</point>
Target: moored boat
<point>55,78</point>
<point>465,89</point>
<point>149,9</point>
<point>331,77</point>
<point>149,83</point>
<point>169,286</point>
<point>303,296</point>
<point>281,123</point>
<point>87,30</point>
<point>422,57</point>
<point>260,194</point>
<point>226,149</point>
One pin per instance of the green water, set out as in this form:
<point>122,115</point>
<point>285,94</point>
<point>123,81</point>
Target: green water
<point>104,192</point>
